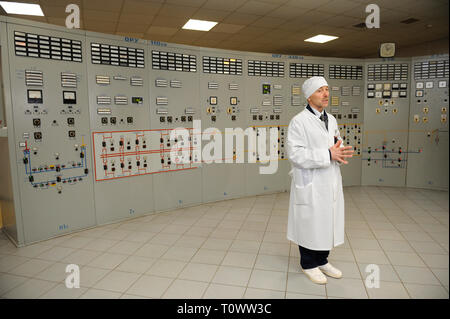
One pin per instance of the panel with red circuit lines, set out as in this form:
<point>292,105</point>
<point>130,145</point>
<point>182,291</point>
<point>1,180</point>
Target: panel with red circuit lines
<point>119,154</point>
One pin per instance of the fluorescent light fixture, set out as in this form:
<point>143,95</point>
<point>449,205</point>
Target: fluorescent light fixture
<point>22,8</point>
<point>199,25</point>
<point>321,38</point>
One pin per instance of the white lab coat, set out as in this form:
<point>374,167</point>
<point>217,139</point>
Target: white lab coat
<point>316,207</point>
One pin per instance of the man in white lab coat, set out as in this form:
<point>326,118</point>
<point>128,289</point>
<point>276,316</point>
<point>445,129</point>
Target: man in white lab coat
<point>316,207</point>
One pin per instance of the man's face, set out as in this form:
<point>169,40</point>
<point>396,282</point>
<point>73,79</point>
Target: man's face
<point>320,97</point>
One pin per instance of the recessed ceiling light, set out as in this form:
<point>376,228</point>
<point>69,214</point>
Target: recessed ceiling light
<point>321,38</point>
<point>22,8</point>
<point>199,25</point>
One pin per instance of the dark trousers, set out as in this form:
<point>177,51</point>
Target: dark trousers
<point>312,258</point>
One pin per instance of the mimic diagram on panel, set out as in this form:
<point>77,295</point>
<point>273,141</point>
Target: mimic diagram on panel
<point>68,165</point>
<point>133,153</point>
<point>388,154</point>
<point>34,172</point>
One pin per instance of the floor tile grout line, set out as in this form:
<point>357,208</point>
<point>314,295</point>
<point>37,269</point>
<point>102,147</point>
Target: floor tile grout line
<point>259,249</point>
<point>417,253</point>
<point>226,252</point>
<point>393,266</point>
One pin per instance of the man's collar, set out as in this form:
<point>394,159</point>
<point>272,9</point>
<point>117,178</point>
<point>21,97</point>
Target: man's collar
<point>314,111</point>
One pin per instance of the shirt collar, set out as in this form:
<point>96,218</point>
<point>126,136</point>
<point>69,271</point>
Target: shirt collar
<point>317,113</point>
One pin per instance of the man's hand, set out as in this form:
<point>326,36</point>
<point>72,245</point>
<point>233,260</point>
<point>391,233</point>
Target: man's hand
<point>340,153</point>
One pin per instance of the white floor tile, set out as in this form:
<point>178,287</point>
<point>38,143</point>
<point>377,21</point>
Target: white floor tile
<point>293,295</point>
<point>100,294</point>
<point>166,268</point>
<point>266,279</point>
<point>370,256</point>
<point>232,276</point>
<point>416,275</point>
<point>108,261</point>
<point>185,289</point>
<point>441,274</point>
<point>30,289</point>
<point>60,291</point>
<point>56,272</point>
<point>346,287</point>
<point>81,257</point>
<point>254,293</point>
<point>198,272</point>
<point>150,286</point>
<point>31,268</point>
<point>117,281</point>
<point>136,264</point>
<point>209,256</point>
<point>275,263</point>
<point>405,259</point>
<point>238,259</point>
<point>435,260</point>
<point>426,291</point>
<point>8,282</point>
<point>180,253</point>
<point>299,283</point>
<point>217,291</point>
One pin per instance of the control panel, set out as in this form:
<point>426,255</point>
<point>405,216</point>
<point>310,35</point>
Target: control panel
<point>428,122</point>
<point>51,131</point>
<point>386,111</point>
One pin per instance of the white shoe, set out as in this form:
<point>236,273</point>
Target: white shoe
<point>315,275</point>
<point>331,271</point>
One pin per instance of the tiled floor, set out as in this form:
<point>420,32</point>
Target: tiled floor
<point>238,249</point>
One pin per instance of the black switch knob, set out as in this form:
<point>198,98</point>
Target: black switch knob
<point>31,179</point>
<point>81,155</point>
<point>58,179</point>
<point>86,171</point>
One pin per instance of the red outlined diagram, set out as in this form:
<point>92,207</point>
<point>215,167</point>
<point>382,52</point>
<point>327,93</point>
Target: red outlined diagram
<point>120,154</point>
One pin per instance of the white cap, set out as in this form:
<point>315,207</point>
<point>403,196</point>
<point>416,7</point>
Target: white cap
<point>312,84</point>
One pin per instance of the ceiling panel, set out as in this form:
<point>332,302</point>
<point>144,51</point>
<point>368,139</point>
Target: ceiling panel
<point>210,15</point>
<point>100,15</point>
<point>268,22</point>
<point>169,22</point>
<point>229,5</point>
<point>308,4</point>
<point>155,30</point>
<point>241,18</point>
<point>278,26</point>
<point>227,28</point>
<point>101,5</point>
<point>135,18</point>
<point>132,27</point>
<point>257,8</point>
<point>337,7</point>
<point>171,10</point>
<point>139,7</point>
<point>100,26</point>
